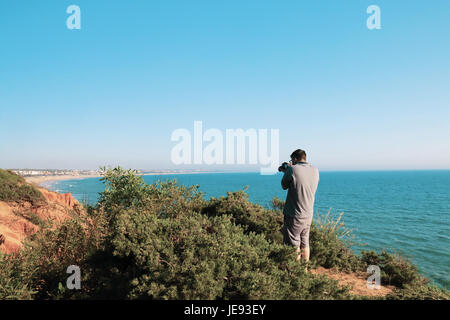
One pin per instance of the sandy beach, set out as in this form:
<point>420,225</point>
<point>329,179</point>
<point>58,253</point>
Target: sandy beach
<point>38,180</point>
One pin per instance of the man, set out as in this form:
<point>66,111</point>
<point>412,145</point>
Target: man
<point>301,179</point>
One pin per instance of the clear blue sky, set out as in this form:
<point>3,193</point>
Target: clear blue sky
<point>113,92</point>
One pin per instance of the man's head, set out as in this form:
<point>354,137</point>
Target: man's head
<point>298,155</point>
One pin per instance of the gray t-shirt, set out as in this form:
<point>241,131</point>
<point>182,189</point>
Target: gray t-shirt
<point>302,180</point>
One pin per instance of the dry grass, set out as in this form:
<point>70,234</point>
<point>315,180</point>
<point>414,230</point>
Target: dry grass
<point>356,281</point>
<point>331,223</point>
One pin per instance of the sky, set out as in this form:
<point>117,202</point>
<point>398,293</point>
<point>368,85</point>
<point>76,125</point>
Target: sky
<point>113,92</point>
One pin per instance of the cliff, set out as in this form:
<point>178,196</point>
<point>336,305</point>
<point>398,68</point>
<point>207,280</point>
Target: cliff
<point>21,218</point>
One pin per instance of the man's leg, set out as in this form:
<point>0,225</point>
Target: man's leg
<point>304,242</point>
<point>305,253</point>
<point>292,234</point>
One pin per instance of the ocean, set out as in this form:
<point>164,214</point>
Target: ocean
<point>403,211</point>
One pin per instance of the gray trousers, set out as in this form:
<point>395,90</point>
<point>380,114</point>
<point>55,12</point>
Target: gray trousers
<point>296,231</point>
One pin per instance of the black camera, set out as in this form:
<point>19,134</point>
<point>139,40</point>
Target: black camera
<point>283,167</point>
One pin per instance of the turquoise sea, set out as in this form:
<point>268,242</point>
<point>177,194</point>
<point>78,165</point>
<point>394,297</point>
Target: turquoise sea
<point>405,211</point>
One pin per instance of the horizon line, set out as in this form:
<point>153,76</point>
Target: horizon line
<point>187,171</point>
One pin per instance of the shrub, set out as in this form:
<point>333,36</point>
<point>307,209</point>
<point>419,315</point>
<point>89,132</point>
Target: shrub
<point>125,189</point>
<point>194,256</point>
<point>419,291</point>
<point>15,278</point>
<point>251,217</point>
<point>395,269</point>
<point>51,251</point>
<point>169,243</point>
<point>14,188</point>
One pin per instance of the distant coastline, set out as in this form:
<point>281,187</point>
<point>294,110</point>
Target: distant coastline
<point>40,179</point>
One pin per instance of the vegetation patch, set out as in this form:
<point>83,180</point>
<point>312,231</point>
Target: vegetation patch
<point>165,241</point>
<point>13,188</point>
<point>32,217</point>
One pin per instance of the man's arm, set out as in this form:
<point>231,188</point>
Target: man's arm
<point>287,178</point>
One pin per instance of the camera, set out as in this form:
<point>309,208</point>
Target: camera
<point>283,167</point>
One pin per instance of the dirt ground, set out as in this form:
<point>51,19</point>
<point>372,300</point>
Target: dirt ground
<point>356,281</point>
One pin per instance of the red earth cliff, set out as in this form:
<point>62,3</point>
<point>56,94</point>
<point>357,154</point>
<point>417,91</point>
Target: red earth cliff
<point>19,220</point>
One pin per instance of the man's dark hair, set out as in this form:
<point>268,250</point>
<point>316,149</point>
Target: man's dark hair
<point>299,154</point>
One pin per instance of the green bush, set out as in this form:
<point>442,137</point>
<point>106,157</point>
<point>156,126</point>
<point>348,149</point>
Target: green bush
<point>50,251</point>
<point>15,278</point>
<point>194,256</point>
<point>395,269</point>
<point>169,243</point>
<point>251,217</point>
<point>125,189</point>
<point>14,188</point>
<point>419,291</point>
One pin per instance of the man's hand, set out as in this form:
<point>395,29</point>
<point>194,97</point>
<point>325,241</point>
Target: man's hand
<point>283,167</point>
<point>287,177</point>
